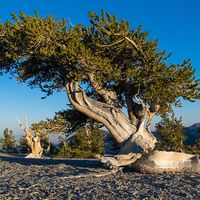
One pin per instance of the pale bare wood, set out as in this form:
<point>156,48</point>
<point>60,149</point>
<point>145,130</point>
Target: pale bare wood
<point>33,141</point>
<point>163,161</point>
<point>133,139</point>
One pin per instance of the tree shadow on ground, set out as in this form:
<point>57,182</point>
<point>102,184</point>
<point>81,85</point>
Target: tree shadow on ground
<point>91,163</point>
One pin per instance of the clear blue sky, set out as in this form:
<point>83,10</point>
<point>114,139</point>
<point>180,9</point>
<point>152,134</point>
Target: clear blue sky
<point>176,23</point>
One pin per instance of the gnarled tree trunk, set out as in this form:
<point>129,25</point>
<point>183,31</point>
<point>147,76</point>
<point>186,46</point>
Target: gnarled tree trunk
<point>33,141</point>
<point>136,140</point>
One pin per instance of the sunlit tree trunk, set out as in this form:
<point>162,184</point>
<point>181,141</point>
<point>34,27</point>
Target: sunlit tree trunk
<point>33,142</point>
<point>134,139</point>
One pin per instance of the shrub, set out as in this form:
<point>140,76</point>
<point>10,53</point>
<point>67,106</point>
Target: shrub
<point>171,132</point>
<point>86,143</point>
<point>9,141</point>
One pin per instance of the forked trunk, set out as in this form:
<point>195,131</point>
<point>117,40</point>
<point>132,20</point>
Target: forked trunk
<point>133,138</point>
<point>137,142</point>
<point>33,142</point>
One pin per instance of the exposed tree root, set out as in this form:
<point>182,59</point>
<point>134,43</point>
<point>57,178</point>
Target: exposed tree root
<point>119,160</point>
<point>96,175</point>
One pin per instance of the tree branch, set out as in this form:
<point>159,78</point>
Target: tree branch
<point>144,106</point>
<point>108,96</point>
<point>130,109</point>
<point>133,43</point>
<point>109,45</point>
<point>78,106</point>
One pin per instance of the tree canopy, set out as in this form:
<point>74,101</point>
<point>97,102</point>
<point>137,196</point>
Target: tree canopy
<point>47,53</point>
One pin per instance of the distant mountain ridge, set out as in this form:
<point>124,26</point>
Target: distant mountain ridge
<point>192,133</point>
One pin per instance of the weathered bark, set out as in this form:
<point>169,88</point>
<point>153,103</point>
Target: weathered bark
<point>33,142</point>
<point>155,162</point>
<point>133,139</point>
<point>162,161</point>
<point>130,108</point>
<point>119,160</point>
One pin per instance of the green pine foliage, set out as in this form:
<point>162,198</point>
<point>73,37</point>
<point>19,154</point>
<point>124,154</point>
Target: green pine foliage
<point>8,141</point>
<point>1,143</point>
<point>86,143</point>
<point>171,132</point>
<point>49,53</point>
<point>23,146</point>
<point>65,121</point>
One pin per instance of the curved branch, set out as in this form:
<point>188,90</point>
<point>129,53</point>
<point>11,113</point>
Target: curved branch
<point>117,123</point>
<point>109,45</point>
<point>108,96</point>
<point>133,43</point>
<point>89,113</point>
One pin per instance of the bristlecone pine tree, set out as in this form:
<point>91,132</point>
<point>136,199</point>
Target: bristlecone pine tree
<point>103,67</point>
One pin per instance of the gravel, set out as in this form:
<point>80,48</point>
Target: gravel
<point>50,179</point>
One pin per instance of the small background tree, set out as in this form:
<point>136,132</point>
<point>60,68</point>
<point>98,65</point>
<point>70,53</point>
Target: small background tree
<point>195,148</point>
<point>8,140</point>
<point>86,143</point>
<point>23,146</point>
<point>171,132</point>
<point>1,143</point>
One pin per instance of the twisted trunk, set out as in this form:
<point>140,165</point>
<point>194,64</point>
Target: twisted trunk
<point>33,142</point>
<point>109,97</point>
<point>137,142</point>
<point>36,149</point>
<point>133,138</point>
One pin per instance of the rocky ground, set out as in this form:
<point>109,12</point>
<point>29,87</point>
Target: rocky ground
<point>81,179</point>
